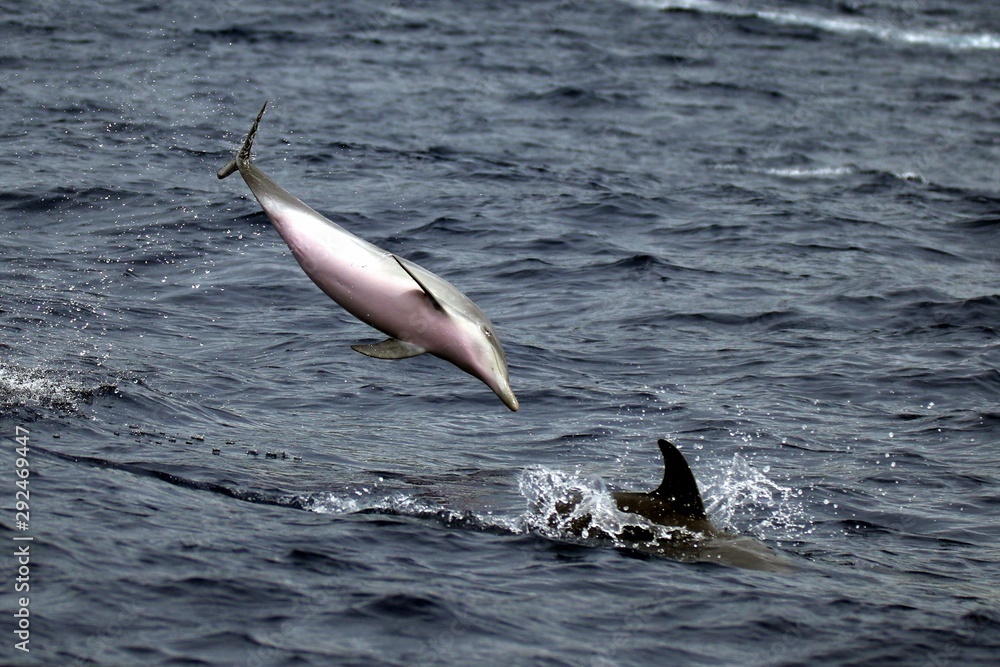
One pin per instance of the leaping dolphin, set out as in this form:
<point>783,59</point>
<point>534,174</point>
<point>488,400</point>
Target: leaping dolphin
<point>675,505</point>
<point>419,311</point>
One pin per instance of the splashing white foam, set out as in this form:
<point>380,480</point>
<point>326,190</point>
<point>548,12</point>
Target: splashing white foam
<point>367,498</point>
<point>741,491</point>
<point>40,387</point>
<point>563,505</point>
<point>567,506</point>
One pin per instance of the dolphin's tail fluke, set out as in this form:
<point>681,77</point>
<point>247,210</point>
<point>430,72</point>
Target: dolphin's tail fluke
<point>244,156</point>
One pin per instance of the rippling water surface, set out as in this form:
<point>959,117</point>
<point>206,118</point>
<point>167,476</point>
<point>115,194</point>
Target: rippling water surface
<point>766,230</point>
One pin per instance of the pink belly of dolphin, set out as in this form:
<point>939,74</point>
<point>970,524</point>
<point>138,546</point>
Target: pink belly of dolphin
<point>363,279</point>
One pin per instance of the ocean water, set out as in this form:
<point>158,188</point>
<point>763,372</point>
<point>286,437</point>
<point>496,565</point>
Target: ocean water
<point>769,231</point>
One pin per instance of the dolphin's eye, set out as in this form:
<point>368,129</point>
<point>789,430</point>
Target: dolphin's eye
<point>487,332</point>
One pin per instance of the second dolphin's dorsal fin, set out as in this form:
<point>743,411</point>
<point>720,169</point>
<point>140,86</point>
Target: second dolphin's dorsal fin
<point>678,489</point>
<point>426,290</point>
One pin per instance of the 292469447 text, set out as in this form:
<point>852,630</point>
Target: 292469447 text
<point>22,540</point>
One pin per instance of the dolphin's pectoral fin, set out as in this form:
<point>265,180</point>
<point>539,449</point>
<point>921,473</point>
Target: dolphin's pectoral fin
<point>678,490</point>
<point>390,349</point>
<point>430,295</point>
<point>230,168</point>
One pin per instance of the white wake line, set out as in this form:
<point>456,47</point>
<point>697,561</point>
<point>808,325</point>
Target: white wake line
<point>820,172</point>
<point>847,26</point>
<point>793,172</point>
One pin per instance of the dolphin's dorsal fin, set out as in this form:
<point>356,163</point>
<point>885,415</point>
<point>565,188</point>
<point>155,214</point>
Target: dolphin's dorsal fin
<point>678,489</point>
<point>390,349</point>
<point>426,290</point>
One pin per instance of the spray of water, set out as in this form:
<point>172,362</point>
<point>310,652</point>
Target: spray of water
<point>46,388</point>
<point>742,498</point>
<point>566,506</point>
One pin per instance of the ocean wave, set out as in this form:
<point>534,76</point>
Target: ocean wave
<point>53,199</point>
<point>835,24</point>
<point>574,97</point>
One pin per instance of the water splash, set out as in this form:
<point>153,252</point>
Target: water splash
<point>567,506</point>
<point>740,492</point>
<point>39,387</point>
<point>332,503</point>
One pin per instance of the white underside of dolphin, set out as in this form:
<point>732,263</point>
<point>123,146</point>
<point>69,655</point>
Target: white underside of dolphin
<point>420,312</point>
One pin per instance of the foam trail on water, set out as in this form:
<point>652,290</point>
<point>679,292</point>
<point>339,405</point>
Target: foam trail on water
<point>793,172</point>
<point>374,500</point>
<point>835,24</point>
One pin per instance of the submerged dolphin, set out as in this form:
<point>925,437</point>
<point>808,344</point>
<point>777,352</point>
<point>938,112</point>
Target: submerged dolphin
<point>675,525</point>
<point>419,311</point>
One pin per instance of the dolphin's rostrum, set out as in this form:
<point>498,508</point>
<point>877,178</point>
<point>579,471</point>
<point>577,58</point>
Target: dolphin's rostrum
<point>419,311</point>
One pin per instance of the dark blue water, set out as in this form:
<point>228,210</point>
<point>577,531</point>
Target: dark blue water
<point>768,230</point>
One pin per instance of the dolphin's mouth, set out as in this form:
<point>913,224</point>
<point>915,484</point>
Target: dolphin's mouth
<point>509,399</point>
